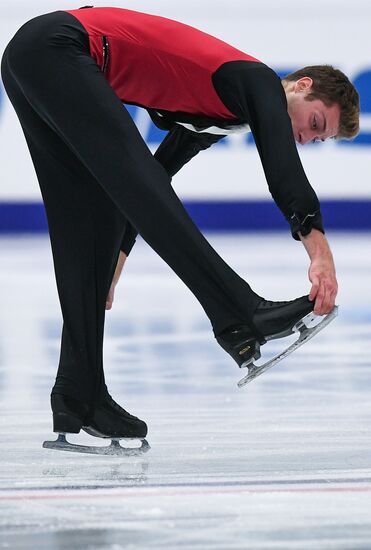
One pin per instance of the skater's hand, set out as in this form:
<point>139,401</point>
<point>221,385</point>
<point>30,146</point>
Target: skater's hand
<point>322,273</point>
<point>111,294</point>
<point>120,264</point>
<point>324,285</point>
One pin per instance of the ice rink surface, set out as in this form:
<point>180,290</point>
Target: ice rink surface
<point>284,463</point>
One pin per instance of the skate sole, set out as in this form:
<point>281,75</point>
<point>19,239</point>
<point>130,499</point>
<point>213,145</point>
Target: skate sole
<point>114,449</point>
<point>305,334</point>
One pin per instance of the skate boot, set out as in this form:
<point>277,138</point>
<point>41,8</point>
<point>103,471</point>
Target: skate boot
<point>107,420</point>
<point>110,418</point>
<point>271,320</point>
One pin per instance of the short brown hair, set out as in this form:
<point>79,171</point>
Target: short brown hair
<point>332,86</point>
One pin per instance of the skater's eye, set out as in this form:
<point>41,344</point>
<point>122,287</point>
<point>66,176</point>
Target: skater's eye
<point>315,127</point>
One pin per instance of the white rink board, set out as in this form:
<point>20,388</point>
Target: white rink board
<point>284,35</point>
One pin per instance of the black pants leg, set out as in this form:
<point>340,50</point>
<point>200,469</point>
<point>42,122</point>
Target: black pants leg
<point>69,95</point>
<point>86,230</point>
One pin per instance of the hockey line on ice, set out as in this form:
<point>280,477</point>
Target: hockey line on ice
<point>195,485</point>
<point>145,493</point>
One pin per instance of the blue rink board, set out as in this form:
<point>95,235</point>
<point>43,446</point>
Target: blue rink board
<point>18,217</point>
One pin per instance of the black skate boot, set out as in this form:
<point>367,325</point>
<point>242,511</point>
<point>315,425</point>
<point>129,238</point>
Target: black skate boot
<point>106,420</point>
<point>69,415</point>
<point>109,418</point>
<point>271,320</point>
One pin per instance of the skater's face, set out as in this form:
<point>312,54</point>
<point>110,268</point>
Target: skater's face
<point>311,120</point>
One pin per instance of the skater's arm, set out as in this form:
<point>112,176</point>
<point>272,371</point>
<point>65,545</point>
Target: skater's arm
<point>321,272</point>
<point>127,244</point>
<point>254,93</point>
<point>128,239</point>
<point>181,145</point>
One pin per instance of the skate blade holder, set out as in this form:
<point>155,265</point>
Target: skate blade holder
<point>306,331</point>
<point>114,449</point>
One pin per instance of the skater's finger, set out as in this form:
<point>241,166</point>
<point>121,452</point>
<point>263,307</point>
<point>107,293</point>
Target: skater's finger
<point>109,300</point>
<point>320,304</point>
<point>325,299</point>
<point>314,289</point>
<point>330,296</point>
<point>332,299</point>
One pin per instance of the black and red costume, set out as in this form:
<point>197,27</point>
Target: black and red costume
<point>67,74</point>
<point>190,80</point>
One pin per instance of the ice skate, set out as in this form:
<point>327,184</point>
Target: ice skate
<point>107,421</point>
<point>115,448</point>
<point>272,320</point>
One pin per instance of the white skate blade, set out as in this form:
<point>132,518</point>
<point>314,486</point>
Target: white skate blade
<point>305,334</point>
<point>114,449</point>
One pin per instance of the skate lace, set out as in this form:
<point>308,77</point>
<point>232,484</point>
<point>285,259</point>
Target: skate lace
<point>117,407</point>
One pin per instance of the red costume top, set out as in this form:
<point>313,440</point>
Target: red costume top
<point>156,62</point>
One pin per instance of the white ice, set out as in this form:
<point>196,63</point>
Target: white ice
<point>284,463</point>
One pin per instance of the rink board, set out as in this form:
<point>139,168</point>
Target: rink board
<point>22,217</point>
<point>230,172</point>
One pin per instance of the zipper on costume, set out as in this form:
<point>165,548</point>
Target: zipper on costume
<point>105,53</point>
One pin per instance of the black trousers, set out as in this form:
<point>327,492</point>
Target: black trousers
<point>95,173</point>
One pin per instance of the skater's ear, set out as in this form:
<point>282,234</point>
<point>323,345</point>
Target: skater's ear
<point>304,84</point>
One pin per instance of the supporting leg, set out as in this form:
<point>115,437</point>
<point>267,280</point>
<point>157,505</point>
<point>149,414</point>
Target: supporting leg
<point>86,230</point>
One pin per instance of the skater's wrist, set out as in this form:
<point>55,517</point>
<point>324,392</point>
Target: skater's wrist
<point>316,245</point>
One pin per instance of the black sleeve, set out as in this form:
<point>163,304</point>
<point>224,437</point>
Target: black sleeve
<point>128,239</point>
<point>181,145</point>
<point>254,93</point>
<point>177,148</point>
